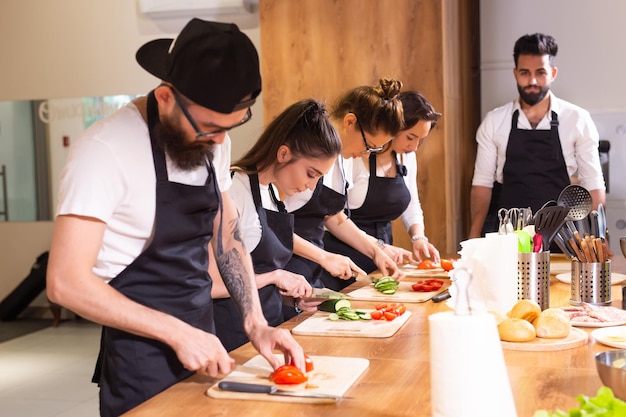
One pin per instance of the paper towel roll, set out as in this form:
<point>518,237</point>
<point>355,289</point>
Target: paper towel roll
<point>467,370</point>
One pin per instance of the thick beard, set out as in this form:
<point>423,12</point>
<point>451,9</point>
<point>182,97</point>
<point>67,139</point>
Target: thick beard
<point>532,98</point>
<point>186,156</point>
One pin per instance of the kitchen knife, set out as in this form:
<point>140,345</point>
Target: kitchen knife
<point>441,296</point>
<point>325,294</point>
<point>271,390</point>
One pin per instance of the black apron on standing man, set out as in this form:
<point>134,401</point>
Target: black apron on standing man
<point>271,253</point>
<point>309,225</point>
<point>171,276</point>
<point>386,200</point>
<point>534,171</point>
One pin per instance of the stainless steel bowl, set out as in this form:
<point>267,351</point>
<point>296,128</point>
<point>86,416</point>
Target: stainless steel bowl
<point>622,244</point>
<point>611,366</point>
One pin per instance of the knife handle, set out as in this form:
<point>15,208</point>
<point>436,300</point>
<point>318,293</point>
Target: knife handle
<point>441,296</point>
<point>243,387</point>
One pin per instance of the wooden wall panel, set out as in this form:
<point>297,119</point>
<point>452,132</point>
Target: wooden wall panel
<point>320,48</point>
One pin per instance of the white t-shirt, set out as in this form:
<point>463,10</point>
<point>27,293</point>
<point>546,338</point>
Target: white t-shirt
<point>361,175</point>
<point>335,179</point>
<point>578,134</point>
<point>110,176</point>
<point>249,222</point>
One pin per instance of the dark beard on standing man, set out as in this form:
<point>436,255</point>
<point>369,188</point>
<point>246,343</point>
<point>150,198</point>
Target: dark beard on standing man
<point>532,98</point>
<point>187,156</point>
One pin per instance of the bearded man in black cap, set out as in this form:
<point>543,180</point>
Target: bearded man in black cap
<point>142,195</point>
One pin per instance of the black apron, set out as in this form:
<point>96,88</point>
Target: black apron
<point>272,252</point>
<point>309,225</point>
<point>386,199</point>
<point>534,171</point>
<point>171,276</point>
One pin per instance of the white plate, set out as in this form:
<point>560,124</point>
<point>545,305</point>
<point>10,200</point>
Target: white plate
<point>616,278</point>
<point>597,323</point>
<point>611,336</point>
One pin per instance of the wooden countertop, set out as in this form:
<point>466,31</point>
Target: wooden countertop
<point>397,382</point>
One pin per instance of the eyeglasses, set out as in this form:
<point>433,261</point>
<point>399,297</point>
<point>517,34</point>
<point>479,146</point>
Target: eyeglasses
<point>367,147</point>
<point>204,134</point>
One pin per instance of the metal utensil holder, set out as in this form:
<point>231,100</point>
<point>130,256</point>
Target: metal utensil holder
<point>591,283</point>
<point>533,277</point>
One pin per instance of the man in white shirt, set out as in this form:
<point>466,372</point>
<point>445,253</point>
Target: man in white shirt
<point>142,195</point>
<point>532,148</point>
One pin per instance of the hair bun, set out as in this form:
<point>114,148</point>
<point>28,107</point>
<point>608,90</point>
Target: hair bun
<point>389,88</point>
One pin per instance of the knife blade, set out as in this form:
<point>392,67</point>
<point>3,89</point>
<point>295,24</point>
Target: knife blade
<point>325,294</point>
<point>272,390</point>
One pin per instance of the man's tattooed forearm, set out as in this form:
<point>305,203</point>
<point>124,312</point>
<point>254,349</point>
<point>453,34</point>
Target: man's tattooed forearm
<point>233,273</point>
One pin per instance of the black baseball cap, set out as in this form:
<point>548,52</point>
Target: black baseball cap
<point>213,64</point>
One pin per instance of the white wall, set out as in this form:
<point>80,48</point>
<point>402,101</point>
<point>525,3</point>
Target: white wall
<point>79,48</point>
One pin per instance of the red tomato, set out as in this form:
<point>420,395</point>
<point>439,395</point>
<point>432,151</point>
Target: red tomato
<point>389,315</point>
<point>287,374</point>
<point>418,286</point>
<point>426,264</point>
<point>447,264</point>
<point>427,285</point>
<point>382,306</point>
<point>376,315</point>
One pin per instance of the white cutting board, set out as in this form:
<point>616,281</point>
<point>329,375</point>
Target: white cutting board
<point>319,325</point>
<point>331,375</point>
<point>413,271</point>
<point>405,293</point>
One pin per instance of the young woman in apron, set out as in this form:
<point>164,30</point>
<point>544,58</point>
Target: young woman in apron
<point>366,118</point>
<point>295,150</point>
<point>385,188</point>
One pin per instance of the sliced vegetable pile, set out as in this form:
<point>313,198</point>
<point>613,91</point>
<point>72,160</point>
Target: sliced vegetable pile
<point>427,285</point>
<point>388,311</point>
<point>342,310</point>
<point>445,264</point>
<point>604,404</point>
<point>386,285</point>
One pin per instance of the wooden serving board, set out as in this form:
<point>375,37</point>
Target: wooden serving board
<point>319,325</point>
<point>576,338</point>
<point>331,375</point>
<point>405,293</point>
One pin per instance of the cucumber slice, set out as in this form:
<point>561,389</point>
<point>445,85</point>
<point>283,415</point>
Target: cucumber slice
<point>333,316</point>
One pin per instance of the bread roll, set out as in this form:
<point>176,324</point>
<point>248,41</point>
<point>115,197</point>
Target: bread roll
<point>516,330</point>
<point>526,310</point>
<point>552,323</point>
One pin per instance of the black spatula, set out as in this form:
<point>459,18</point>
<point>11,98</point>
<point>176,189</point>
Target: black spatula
<point>548,221</point>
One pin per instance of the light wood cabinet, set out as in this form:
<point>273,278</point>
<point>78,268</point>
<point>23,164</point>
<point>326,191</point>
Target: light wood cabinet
<point>321,48</point>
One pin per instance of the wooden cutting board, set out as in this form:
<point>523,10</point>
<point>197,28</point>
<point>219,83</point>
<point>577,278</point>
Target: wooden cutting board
<point>576,338</point>
<point>413,271</point>
<point>331,375</point>
<point>405,293</point>
<point>319,325</point>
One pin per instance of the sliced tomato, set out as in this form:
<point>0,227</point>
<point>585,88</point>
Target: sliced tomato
<point>288,374</point>
<point>426,264</point>
<point>376,314</point>
<point>418,286</point>
<point>400,309</point>
<point>308,362</point>
<point>389,316</point>
<point>447,264</point>
<point>382,306</point>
